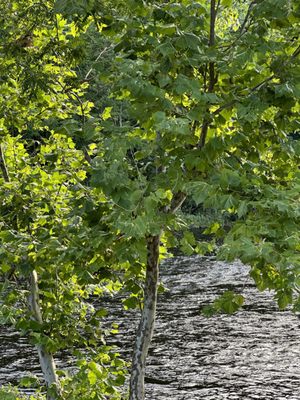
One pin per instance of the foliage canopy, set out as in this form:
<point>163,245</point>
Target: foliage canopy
<point>112,115</point>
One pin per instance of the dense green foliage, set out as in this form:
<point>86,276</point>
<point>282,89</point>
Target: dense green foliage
<point>112,114</point>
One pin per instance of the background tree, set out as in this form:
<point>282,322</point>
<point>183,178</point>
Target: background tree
<point>50,258</point>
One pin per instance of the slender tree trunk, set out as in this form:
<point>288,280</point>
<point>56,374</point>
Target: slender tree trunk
<point>146,326</point>
<point>46,359</point>
<point>211,70</point>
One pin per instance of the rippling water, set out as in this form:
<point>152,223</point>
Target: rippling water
<point>253,354</point>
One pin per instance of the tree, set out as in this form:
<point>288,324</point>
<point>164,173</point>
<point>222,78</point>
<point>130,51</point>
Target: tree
<point>212,112</point>
<point>211,95</point>
<point>49,254</point>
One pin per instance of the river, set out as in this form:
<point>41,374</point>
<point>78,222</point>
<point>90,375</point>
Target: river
<point>251,355</point>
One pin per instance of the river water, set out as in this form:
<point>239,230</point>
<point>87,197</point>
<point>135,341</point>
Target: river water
<point>253,354</point>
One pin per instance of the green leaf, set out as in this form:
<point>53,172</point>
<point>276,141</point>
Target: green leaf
<point>5,268</point>
<point>29,381</point>
<point>214,228</point>
<point>166,49</point>
<point>200,191</point>
<point>242,209</point>
<point>92,377</point>
<point>284,298</point>
<point>227,3</point>
<point>106,113</point>
<point>132,302</point>
<point>229,302</point>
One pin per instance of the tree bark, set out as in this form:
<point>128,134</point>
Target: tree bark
<point>211,71</point>
<point>46,359</point>
<point>146,326</point>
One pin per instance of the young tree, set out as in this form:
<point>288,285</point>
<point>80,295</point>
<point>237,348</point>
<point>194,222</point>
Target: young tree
<point>213,96</point>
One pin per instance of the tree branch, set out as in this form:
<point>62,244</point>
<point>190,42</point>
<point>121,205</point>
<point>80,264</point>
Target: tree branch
<point>96,60</point>
<point>296,53</point>
<point>243,26</point>
<point>258,86</point>
<point>86,155</point>
<point>262,83</point>
<point>233,102</point>
<point>3,165</point>
<point>242,29</point>
<point>177,202</point>
<point>211,70</point>
<point>206,122</point>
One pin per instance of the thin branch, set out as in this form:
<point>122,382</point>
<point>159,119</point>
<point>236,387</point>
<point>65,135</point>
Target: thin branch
<point>177,202</point>
<point>81,105</point>
<point>296,53</point>
<point>242,29</point>
<point>71,93</point>
<point>259,85</point>
<point>3,165</point>
<point>206,122</point>
<point>84,149</point>
<point>233,102</point>
<point>6,178</point>
<point>57,193</point>
<point>224,106</point>
<point>243,26</point>
<point>203,135</point>
<point>86,155</point>
<point>205,78</point>
<point>97,59</point>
